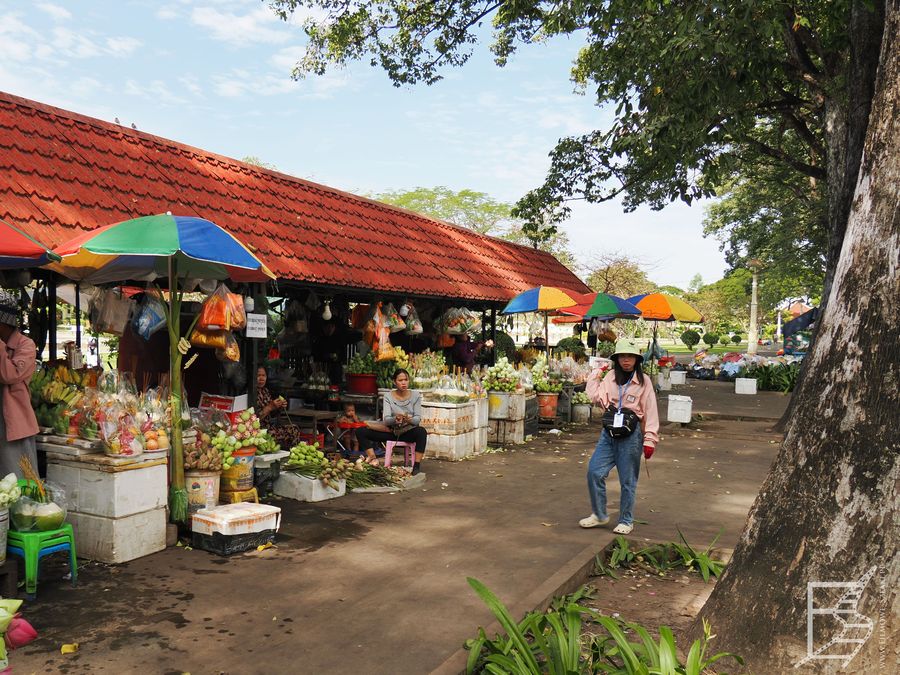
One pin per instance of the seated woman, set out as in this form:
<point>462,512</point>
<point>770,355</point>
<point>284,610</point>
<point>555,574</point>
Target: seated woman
<point>266,410</point>
<point>402,415</point>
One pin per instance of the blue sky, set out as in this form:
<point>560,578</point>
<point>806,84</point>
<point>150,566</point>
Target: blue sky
<point>216,74</point>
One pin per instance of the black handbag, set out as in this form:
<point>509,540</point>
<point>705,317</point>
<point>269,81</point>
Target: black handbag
<point>630,422</point>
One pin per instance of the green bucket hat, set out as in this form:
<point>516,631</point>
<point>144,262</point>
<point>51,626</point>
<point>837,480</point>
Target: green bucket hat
<point>626,346</point>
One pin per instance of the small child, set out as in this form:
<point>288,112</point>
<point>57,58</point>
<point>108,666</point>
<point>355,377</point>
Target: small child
<point>348,438</point>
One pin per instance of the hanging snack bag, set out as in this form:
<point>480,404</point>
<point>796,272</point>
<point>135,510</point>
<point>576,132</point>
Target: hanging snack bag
<point>112,312</point>
<point>231,351</point>
<point>215,315</point>
<point>392,318</point>
<point>238,315</point>
<point>413,324</point>
<point>214,339</point>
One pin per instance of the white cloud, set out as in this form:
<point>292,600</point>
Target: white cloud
<point>190,83</point>
<point>56,12</point>
<point>286,58</point>
<point>257,26</point>
<point>241,82</point>
<point>155,90</point>
<point>122,46</point>
<point>85,87</point>
<point>167,12</point>
<point>74,44</point>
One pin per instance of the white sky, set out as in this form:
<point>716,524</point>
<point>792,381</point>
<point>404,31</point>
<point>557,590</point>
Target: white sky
<point>216,75</point>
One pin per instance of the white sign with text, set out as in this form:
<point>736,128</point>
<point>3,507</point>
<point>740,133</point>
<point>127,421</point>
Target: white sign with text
<point>256,325</point>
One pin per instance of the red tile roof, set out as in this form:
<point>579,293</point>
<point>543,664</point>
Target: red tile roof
<point>62,173</point>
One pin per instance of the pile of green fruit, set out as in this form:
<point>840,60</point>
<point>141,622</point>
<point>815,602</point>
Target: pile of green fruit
<point>265,443</point>
<point>362,365</point>
<point>501,376</point>
<point>580,398</point>
<point>225,444</point>
<point>307,460</point>
<point>384,370</point>
<point>305,454</point>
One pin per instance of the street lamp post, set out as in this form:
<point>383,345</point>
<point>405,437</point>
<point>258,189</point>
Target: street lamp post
<point>753,333</point>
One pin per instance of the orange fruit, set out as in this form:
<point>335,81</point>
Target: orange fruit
<point>152,444</point>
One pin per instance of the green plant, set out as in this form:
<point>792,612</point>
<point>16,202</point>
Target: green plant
<point>571,345</point>
<point>699,560</point>
<point>773,377</point>
<point>711,338</point>
<point>543,386</point>
<point>690,338</point>
<point>724,340</point>
<point>606,349</point>
<point>504,345</point>
<point>736,339</point>
<point>362,365</point>
<point>551,643</point>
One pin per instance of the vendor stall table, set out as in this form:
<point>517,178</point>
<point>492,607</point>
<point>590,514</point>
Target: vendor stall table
<point>309,420</point>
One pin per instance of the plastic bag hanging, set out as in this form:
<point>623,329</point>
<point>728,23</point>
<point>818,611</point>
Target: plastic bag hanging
<point>150,316</point>
<point>215,314</point>
<point>413,324</point>
<point>238,315</point>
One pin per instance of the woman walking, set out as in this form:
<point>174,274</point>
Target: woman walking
<point>630,424</point>
<point>18,425</point>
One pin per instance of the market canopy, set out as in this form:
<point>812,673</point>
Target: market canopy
<point>66,174</point>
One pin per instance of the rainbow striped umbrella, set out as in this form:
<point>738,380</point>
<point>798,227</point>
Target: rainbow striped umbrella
<point>602,306</point>
<point>541,299</point>
<point>18,250</point>
<point>144,249</point>
<point>663,307</point>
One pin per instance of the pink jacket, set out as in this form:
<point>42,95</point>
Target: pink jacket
<point>641,398</point>
<point>17,363</point>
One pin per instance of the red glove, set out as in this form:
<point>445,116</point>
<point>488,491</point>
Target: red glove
<point>648,451</point>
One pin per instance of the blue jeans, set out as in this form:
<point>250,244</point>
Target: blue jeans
<point>625,455</point>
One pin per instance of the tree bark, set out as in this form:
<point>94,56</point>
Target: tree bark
<point>846,121</point>
<point>829,510</point>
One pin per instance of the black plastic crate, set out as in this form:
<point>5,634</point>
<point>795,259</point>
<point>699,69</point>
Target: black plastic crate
<point>226,544</point>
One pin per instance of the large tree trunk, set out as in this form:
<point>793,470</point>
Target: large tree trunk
<point>846,121</point>
<point>829,510</point>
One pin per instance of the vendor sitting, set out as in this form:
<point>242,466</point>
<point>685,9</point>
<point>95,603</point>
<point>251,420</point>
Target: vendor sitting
<point>402,416</point>
<point>267,410</point>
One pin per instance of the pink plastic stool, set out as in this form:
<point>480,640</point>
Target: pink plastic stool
<point>409,452</point>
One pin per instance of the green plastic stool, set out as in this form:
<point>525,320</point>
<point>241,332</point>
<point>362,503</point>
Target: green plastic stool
<point>30,545</point>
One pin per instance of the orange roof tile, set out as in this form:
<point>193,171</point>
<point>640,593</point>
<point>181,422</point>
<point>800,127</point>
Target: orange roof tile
<point>62,173</point>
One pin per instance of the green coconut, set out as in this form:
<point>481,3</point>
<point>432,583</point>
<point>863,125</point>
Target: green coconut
<point>48,517</point>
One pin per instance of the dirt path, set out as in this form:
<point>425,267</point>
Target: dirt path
<point>376,583</point>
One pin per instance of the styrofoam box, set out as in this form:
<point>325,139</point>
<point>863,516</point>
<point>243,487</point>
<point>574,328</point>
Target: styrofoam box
<point>745,385</point>
<point>448,418</point>
<point>112,495</point>
<point>481,439</point>
<point>505,406</point>
<point>231,519</point>
<point>680,408</point>
<point>506,432</point>
<point>663,381</point>
<point>305,489</point>
<point>454,447</point>
<point>481,412</point>
<point>678,377</point>
<point>118,540</point>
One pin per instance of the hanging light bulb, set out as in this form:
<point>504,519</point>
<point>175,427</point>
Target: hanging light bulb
<point>326,314</point>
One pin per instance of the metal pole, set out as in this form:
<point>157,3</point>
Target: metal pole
<point>493,334</point>
<point>51,317</point>
<point>752,335</point>
<point>78,315</point>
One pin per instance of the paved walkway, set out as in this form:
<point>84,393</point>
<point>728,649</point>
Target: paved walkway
<point>376,583</point>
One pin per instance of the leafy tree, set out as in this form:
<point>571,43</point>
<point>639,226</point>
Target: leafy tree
<point>711,338</point>
<point>701,90</point>
<point>480,212</point>
<point>724,340</point>
<point>736,339</point>
<point>690,338</point>
<point>671,290</point>
<point>477,211</point>
<point>695,284</point>
<point>617,274</point>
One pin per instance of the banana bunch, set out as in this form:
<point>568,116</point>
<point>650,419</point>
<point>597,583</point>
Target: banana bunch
<point>56,392</point>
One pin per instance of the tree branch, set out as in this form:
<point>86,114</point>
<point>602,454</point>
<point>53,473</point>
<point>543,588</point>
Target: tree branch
<point>807,169</point>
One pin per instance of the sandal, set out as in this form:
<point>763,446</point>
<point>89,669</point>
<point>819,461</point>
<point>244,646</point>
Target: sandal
<point>622,528</point>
